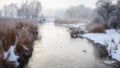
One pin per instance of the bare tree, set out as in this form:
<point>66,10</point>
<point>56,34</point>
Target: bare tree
<point>13,10</point>
<point>10,10</point>
<point>105,9</point>
<point>36,9</point>
<point>117,13</point>
<point>77,12</point>
<point>70,12</point>
<point>6,10</point>
<point>115,19</point>
<point>0,13</point>
<point>25,11</point>
<point>30,10</point>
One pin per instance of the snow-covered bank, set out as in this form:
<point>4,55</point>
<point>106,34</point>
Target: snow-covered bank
<point>77,25</point>
<point>111,39</point>
<point>11,56</point>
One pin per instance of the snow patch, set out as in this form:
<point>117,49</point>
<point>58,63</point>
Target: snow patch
<point>78,25</point>
<point>11,56</point>
<point>111,39</point>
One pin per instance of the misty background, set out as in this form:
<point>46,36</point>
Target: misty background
<point>40,9</point>
<point>43,10</point>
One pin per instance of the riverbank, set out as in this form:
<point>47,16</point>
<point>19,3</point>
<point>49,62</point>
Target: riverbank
<point>16,41</point>
<point>109,40</point>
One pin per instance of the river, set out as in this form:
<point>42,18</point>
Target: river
<point>57,49</point>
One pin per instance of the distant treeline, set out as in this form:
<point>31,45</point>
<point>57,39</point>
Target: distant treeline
<point>29,10</point>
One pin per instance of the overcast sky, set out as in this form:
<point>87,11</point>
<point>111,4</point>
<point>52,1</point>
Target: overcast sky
<point>55,4</point>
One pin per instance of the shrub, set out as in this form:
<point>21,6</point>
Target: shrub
<point>96,27</point>
<point>68,21</point>
<point>74,32</point>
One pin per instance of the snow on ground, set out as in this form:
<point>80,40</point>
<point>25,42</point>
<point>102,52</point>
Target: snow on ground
<point>11,56</point>
<point>111,39</point>
<point>77,25</point>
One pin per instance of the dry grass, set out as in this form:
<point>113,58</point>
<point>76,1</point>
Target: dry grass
<point>17,32</point>
<point>96,27</point>
<point>68,21</point>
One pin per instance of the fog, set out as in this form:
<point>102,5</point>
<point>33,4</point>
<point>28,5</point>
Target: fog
<point>54,4</point>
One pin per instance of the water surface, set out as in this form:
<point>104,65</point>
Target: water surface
<point>57,49</point>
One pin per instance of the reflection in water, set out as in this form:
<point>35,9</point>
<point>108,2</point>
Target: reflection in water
<point>58,50</point>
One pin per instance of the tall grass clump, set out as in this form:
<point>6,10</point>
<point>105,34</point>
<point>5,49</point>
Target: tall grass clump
<point>16,41</point>
<point>68,21</point>
<point>96,27</point>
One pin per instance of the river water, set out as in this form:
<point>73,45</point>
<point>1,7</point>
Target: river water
<point>57,49</point>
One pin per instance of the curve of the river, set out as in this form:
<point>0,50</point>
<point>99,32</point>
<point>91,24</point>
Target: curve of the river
<point>57,49</point>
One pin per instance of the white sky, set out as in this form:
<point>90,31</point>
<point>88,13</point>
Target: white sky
<point>67,3</point>
<point>55,4</point>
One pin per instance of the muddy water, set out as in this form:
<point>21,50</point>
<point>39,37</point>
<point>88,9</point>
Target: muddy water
<point>58,50</point>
